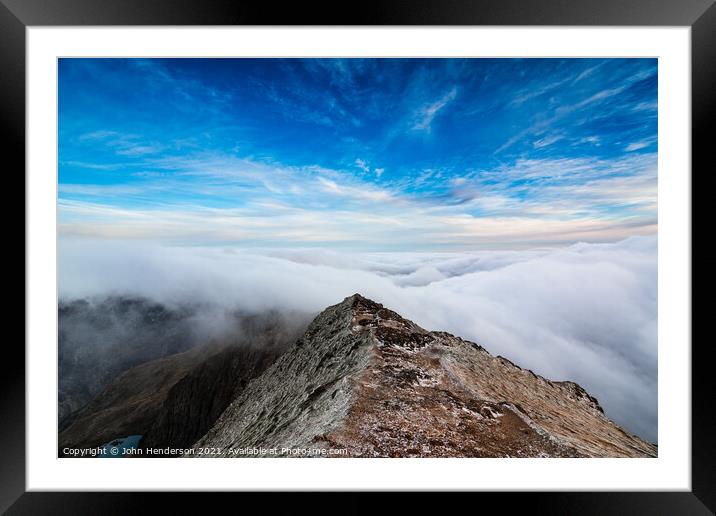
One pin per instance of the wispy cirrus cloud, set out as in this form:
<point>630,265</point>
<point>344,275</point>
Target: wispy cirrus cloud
<point>120,144</point>
<point>557,115</point>
<point>530,202</point>
<point>91,166</point>
<point>362,165</point>
<point>425,115</point>
<point>322,141</point>
<point>637,145</point>
<point>547,140</point>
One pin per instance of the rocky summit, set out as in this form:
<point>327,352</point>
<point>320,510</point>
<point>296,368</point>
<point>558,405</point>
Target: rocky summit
<point>364,380</point>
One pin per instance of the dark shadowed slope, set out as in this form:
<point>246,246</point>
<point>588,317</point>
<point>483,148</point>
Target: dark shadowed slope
<point>130,404</point>
<point>174,400</point>
<point>196,401</point>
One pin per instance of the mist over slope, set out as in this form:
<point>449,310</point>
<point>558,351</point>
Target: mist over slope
<point>586,313</point>
<point>100,337</point>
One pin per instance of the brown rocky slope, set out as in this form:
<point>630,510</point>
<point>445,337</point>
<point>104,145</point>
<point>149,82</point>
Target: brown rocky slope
<point>365,380</point>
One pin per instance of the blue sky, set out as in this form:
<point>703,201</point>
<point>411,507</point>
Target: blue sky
<point>358,154</point>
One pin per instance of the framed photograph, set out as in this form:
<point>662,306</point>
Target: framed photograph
<point>436,249</point>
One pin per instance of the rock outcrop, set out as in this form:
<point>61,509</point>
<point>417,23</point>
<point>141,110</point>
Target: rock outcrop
<point>364,380</point>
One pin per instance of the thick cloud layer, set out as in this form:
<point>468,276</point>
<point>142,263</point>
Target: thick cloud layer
<point>586,313</point>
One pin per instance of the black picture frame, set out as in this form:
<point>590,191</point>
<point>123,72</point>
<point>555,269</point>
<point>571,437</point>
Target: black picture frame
<point>700,15</point>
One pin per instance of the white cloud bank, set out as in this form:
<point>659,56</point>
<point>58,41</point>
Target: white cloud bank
<point>586,313</point>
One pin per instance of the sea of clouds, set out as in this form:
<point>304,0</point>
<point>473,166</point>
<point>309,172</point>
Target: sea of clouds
<point>586,313</point>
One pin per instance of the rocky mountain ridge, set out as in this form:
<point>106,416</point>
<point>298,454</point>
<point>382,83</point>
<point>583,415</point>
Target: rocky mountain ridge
<point>364,380</point>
